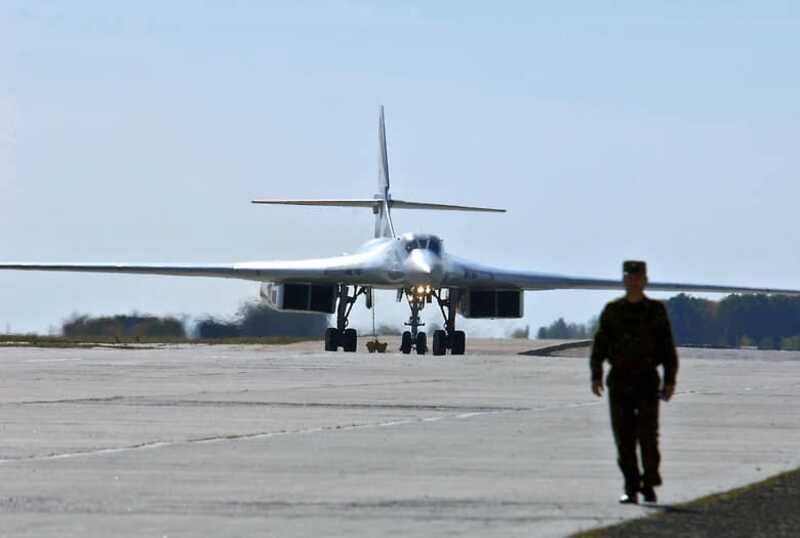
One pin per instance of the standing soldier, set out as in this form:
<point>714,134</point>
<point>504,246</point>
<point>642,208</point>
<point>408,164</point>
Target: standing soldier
<point>635,336</point>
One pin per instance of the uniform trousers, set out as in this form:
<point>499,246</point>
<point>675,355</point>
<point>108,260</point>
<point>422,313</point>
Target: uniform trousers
<point>634,419</point>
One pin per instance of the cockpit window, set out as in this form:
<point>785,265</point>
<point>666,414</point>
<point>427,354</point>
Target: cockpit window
<point>434,244</point>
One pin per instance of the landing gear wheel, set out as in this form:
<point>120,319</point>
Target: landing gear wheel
<point>422,344</point>
<point>341,336</point>
<point>331,339</point>
<point>458,343</point>
<point>439,342</point>
<point>453,339</point>
<point>350,340</point>
<point>405,342</point>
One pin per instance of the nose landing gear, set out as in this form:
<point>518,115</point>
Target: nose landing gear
<point>449,338</point>
<point>414,338</point>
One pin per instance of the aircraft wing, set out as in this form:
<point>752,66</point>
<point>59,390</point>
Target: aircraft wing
<point>327,270</point>
<point>471,275</point>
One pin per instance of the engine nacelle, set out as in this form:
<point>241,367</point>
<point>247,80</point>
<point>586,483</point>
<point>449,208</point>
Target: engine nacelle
<point>300,297</point>
<point>480,303</point>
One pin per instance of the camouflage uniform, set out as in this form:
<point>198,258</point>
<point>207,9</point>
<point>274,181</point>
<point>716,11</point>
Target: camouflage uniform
<point>635,337</point>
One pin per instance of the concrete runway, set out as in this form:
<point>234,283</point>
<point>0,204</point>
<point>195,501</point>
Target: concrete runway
<point>291,441</point>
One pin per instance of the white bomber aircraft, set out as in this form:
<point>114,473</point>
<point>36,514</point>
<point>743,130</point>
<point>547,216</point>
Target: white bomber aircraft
<point>415,265</point>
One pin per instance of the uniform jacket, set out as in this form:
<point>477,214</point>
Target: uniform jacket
<point>635,338</point>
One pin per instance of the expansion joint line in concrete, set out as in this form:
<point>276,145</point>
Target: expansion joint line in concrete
<point>285,433</point>
<point>253,436</point>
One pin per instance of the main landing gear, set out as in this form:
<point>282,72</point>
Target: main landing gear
<point>413,339</point>
<point>449,338</point>
<point>341,336</point>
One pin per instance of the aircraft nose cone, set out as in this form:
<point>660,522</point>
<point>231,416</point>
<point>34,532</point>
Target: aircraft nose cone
<point>424,267</point>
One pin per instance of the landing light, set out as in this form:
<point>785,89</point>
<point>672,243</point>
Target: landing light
<point>420,290</point>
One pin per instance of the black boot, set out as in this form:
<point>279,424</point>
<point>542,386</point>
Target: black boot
<point>649,494</point>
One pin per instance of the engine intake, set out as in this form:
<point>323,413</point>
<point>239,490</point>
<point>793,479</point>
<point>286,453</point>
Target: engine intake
<point>300,297</point>
<point>477,303</point>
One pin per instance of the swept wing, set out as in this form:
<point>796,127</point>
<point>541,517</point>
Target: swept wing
<point>466,274</point>
<point>328,270</point>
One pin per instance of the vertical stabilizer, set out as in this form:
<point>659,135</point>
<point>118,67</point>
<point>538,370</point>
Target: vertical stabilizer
<point>382,203</point>
<point>383,217</point>
<point>383,158</point>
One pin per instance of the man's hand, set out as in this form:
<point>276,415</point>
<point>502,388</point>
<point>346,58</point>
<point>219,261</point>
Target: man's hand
<point>597,388</point>
<point>669,391</point>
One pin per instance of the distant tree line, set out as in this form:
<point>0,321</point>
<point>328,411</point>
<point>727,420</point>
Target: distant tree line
<point>562,330</point>
<point>258,319</point>
<point>254,319</point>
<point>521,332</point>
<point>760,320</point>
<point>389,330</point>
<point>765,321</point>
<point>127,326</point>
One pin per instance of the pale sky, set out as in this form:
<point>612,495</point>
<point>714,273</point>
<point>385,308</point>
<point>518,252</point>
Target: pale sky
<point>139,132</point>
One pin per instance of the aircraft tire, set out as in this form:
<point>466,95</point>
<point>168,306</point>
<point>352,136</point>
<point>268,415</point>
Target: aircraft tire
<point>350,340</point>
<point>439,342</point>
<point>459,343</point>
<point>422,343</point>
<point>331,339</point>
<point>405,343</point>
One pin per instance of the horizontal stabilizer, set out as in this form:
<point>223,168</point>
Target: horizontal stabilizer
<point>361,202</point>
<point>400,204</point>
<point>375,202</point>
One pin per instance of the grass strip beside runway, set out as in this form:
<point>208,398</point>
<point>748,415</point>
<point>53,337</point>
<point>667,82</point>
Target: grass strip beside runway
<point>770,508</point>
<point>134,342</point>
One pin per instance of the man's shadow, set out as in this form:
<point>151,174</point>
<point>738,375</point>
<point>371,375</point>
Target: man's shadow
<point>669,508</point>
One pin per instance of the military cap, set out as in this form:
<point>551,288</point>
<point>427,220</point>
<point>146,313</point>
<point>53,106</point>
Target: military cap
<point>634,267</point>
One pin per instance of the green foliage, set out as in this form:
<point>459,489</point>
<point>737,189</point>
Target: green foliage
<point>766,321</point>
<point>521,333</point>
<point>694,320</point>
<point>123,326</point>
<point>35,340</point>
<point>388,330</point>
<point>759,316</point>
<point>737,320</point>
<point>256,319</point>
<point>561,330</point>
<point>766,343</point>
<point>791,343</point>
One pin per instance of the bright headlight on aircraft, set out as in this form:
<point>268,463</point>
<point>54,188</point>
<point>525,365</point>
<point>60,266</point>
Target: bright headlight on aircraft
<point>427,289</point>
<point>420,290</point>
